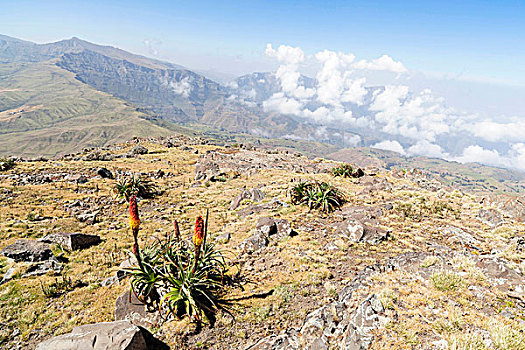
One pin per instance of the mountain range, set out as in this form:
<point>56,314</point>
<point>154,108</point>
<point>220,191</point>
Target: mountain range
<point>62,97</point>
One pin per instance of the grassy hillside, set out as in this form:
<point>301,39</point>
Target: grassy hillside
<point>44,110</point>
<point>470,177</point>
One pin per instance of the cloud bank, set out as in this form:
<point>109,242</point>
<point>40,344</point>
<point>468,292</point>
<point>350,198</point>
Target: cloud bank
<point>406,122</point>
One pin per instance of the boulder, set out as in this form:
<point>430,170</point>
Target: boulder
<point>490,217</point>
<point>357,232</point>
<point>82,179</point>
<point>28,250</point>
<point>71,241</point>
<point>41,268</point>
<point>88,218</point>
<point>105,173</point>
<point>121,335</point>
<point>255,195</point>
<point>138,149</point>
<point>257,241</point>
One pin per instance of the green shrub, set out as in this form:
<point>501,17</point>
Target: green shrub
<point>138,186</point>
<point>6,164</point>
<point>317,195</point>
<point>346,170</point>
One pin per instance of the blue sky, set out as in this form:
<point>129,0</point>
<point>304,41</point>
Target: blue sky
<point>481,40</point>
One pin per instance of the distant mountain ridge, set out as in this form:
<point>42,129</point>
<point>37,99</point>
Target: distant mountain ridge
<point>60,97</point>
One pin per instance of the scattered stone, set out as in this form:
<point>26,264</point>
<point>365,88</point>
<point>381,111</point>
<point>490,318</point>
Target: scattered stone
<point>138,150</point>
<point>51,265</point>
<point>105,173</point>
<point>257,208</point>
<point>224,238</point>
<point>82,180</point>
<point>97,156</point>
<point>120,335</point>
<point>28,250</point>
<point>255,195</point>
<point>88,218</point>
<point>357,232</point>
<point>109,281</point>
<point>8,275</point>
<point>462,236</point>
<point>490,217</point>
<point>71,241</point>
<point>257,241</point>
<point>266,229</point>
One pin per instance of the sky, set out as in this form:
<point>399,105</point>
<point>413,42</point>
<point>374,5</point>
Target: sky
<point>475,40</point>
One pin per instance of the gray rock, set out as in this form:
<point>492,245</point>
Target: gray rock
<point>82,180</point>
<point>109,281</point>
<point>364,321</point>
<point>126,264</point>
<point>28,250</point>
<point>137,150</point>
<point>97,156</point>
<point>255,195</point>
<point>357,232</point>
<point>267,226</point>
<point>126,305</point>
<point>8,275</point>
<point>257,241</point>
<point>121,335</point>
<point>224,238</point>
<point>105,173</point>
<point>88,218</point>
<point>462,236</point>
<point>490,217</point>
<point>41,268</point>
<point>71,241</point>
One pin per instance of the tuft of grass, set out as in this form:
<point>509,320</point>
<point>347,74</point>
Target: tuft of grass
<point>317,195</point>
<point>447,281</point>
<point>138,186</point>
<point>59,287</point>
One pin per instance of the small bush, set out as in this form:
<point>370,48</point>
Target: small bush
<point>59,287</point>
<point>346,170</point>
<point>138,186</point>
<point>317,195</point>
<point>447,281</point>
<point>6,164</point>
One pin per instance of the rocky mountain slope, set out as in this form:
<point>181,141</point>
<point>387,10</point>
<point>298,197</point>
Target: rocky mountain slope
<point>406,262</point>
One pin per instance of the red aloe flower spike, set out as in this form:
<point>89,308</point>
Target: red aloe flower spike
<point>198,236</point>
<point>176,230</point>
<point>134,221</point>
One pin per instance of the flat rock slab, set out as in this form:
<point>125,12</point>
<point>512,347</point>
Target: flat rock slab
<point>71,241</point>
<point>121,335</point>
<point>41,268</point>
<point>134,311</point>
<point>28,250</point>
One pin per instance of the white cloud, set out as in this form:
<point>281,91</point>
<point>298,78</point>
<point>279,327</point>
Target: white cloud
<point>425,148</point>
<point>478,154</point>
<point>181,87</point>
<point>278,102</point>
<point>495,132</point>
<point>384,62</point>
<point>390,146</point>
<point>420,120</point>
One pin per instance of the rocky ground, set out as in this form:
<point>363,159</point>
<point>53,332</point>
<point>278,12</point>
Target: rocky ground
<point>406,263</point>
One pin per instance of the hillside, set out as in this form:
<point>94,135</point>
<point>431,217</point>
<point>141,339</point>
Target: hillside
<point>44,111</point>
<point>405,263</point>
